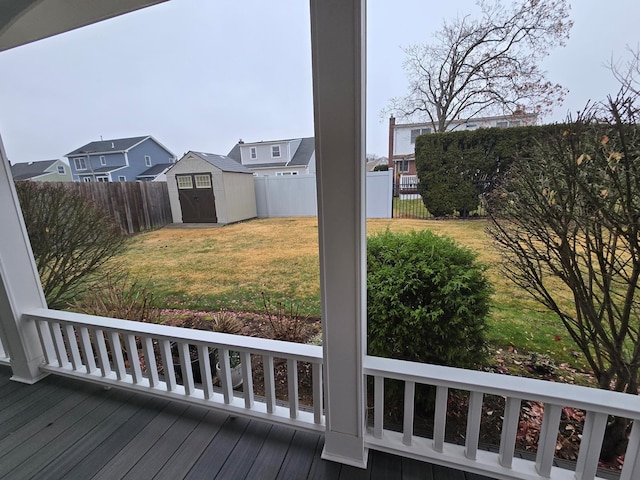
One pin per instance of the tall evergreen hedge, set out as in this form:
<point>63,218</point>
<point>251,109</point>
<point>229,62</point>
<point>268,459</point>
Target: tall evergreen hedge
<point>457,168</point>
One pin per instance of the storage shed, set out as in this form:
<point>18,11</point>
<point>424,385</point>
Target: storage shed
<point>210,188</point>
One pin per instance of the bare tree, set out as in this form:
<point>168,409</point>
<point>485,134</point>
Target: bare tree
<point>485,65</point>
<point>627,71</point>
<point>72,240</point>
<point>567,222</point>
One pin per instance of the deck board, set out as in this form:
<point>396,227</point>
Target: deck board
<point>111,447</point>
<point>192,448</point>
<point>84,448</point>
<point>215,455</point>
<point>62,428</point>
<point>240,460</point>
<point>272,454</point>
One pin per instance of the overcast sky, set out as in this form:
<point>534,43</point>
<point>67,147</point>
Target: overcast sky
<point>200,74</point>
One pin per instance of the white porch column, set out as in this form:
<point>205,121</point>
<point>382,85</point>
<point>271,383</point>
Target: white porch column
<point>338,50</point>
<point>20,287</point>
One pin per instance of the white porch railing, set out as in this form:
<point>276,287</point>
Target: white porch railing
<point>99,349</point>
<point>597,404</point>
<point>123,353</point>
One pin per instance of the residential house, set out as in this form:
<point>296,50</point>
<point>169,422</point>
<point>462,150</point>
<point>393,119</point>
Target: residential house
<point>183,429</point>
<point>278,157</point>
<point>402,136</point>
<point>120,160</point>
<point>42,171</point>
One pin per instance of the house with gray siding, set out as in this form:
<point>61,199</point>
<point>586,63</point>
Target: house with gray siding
<point>42,171</point>
<point>120,160</point>
<point>296,156</point>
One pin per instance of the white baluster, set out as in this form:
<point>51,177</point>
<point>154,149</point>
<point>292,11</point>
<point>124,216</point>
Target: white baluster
<point>87,350</point>
<point>269,383</point>
<point>58,342</point>
<point>409,404</point>
<point>440,418</point>
<point>167,365</point>
<point>292,383</point>
<point>205,371</point>
<point>134,358</point>
<point>247,380</point>
<point>72,341</point>
<point>225,375</point>
<point>509,431</point>
<point>116,354</point>
<point>548,438</point>
<point>317,393</point>
<point>103,353</point>
<point>591,445</point>
<point>44,332</point>
<point>187,372</point>
<point>473,425</point>
<point>378,406</point>
<point>150,361</point>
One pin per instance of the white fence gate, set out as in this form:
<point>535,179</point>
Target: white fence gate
<point>295,196</point>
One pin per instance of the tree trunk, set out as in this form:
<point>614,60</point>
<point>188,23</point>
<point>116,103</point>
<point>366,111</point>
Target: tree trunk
<point>616,437</point>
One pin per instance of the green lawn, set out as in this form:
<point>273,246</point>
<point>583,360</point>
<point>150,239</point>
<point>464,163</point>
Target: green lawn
<point>210,269</point>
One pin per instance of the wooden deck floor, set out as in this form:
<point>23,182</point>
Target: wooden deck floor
<point>65,429</point>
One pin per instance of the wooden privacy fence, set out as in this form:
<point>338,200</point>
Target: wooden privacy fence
<point>135,206</point>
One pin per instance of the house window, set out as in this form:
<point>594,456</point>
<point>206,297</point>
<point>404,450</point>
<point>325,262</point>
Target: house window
<point>102,179</point>
<point>285,174</point>
<point>103,161</point>
<point>275,151</point>
<point>60,170</point>
<point>471,126</point>
<point>122,178</point>
<point>253,152</point>
<point>419,131</point>
<point>147,160</point>
<point>502,124</point>
<point>80,163</point>
<point>514,123</point>
<point>402,166</point>
<point>184,182</point>
<point>86,179</point>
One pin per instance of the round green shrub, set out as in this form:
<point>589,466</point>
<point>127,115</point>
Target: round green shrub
<point>427,300</point>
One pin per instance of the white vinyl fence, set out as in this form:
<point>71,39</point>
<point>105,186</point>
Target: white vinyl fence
<point>295,196</point>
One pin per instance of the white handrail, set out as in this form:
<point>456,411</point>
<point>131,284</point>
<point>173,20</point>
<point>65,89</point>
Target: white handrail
<point>123,353</point>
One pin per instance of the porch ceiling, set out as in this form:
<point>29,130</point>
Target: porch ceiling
<point>25,21</point>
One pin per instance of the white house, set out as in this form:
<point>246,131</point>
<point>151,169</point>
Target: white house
<point>277,157</point>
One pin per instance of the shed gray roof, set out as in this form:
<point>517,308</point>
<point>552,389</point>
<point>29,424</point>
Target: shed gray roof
<point>225,164</point>
<point>108,146</point>
<point>155,170</point>
<point>25,171</point>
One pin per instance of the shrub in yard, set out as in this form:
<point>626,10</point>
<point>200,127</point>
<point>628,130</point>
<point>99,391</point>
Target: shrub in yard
<point>119,297</point>
<point>284,320</point>
<point>72,239</point>
<point>427,300</point>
